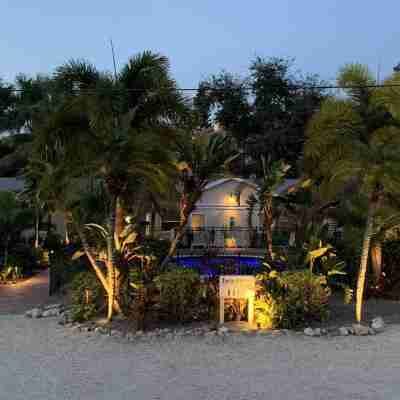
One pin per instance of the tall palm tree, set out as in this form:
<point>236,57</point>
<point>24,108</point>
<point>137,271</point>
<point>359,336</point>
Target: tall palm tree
<point>118,130</point>
<point>200,158</point>
<point>357,138</point>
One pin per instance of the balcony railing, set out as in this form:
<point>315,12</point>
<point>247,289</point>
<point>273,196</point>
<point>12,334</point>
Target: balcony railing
<point>226,238</point>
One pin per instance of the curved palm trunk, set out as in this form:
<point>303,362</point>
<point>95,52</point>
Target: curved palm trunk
<point>179,232</point>
<point>186,210</point>
<point>364,261</point>
<point>376,260</point>
<point>268,221</point>
<point>111,274</point>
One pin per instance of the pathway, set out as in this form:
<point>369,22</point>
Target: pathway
<point>40,360</point>
<point>18,298</point>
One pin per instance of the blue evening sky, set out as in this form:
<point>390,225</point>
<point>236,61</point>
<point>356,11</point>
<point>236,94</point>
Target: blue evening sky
<point>200,36</point>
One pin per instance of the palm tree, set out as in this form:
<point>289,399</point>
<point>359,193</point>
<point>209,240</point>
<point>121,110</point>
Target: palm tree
<point>116,130</point>
<point>273,174</point>
<point>356,138</point>
<point>201,158</point>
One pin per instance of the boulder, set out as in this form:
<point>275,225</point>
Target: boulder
<point>76,328</point>
<point>317,332</point>
<point>52,312</point>
<point>309,332</point>
<point>51,306</point>
<point>223,330</point>
<point>343,331</point>
<point>378,324</point>
<point>371,331</point>
<point>360,330</point>
<point>36,313</point>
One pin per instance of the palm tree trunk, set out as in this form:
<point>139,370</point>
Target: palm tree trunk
<point>37,221</point>
<point>119,217</point>
<point>268,220</point>
<point>376,260</point>
<point>364,261</point>
<point>111,258</point>
<point>185,211</point>
<point>179,232</point>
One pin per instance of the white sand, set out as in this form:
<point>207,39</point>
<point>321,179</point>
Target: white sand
<point>41,360</point>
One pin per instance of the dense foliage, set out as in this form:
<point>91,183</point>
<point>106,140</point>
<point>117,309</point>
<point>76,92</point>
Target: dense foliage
<point>266,112</point>
<point>292,299</point>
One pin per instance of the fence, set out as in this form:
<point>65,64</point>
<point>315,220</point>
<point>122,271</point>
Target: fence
<point>226,238</point>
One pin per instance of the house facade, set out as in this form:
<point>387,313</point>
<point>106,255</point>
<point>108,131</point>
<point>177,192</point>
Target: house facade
<point>221,217</point>
<point>224,205</point>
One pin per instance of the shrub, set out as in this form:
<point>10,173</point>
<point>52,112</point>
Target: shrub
<point>88,296</point>
<point>180,294</point>
<point>306,298</point>
<point>292,299</point>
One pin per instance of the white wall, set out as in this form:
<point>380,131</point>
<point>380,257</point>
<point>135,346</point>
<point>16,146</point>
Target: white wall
<point>218,206</point>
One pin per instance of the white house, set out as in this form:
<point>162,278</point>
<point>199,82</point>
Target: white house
<point>221,217</point>
<point>223,204</point>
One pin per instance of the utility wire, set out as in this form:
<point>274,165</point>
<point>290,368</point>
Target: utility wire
<point>210,88</point>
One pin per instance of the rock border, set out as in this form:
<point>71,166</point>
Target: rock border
<point>205,330</point>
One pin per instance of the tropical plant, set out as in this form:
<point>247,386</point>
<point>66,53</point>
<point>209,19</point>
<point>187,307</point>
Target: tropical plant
<point>355,139</point>
<point>291,299</point>
<point>272,176</point>
<point>115,130</point>
<point>200,159</point>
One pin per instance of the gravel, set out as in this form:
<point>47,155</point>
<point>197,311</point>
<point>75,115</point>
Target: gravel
<point>42,360</point>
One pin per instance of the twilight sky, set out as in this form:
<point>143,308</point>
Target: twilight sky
<point>200,36</point>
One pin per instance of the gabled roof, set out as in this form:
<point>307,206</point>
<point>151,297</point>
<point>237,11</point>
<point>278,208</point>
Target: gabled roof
<point>219,182</point>
<point>286,185</point>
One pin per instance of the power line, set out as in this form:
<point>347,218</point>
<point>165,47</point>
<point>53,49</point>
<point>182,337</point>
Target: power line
<point>210,88</point>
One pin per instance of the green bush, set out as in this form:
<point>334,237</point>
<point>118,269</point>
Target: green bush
<point>292,299</point>
<point>181,294</point>
<point>88,296</point>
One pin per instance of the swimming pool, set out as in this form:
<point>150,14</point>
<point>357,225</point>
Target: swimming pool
<point>221,265</point>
